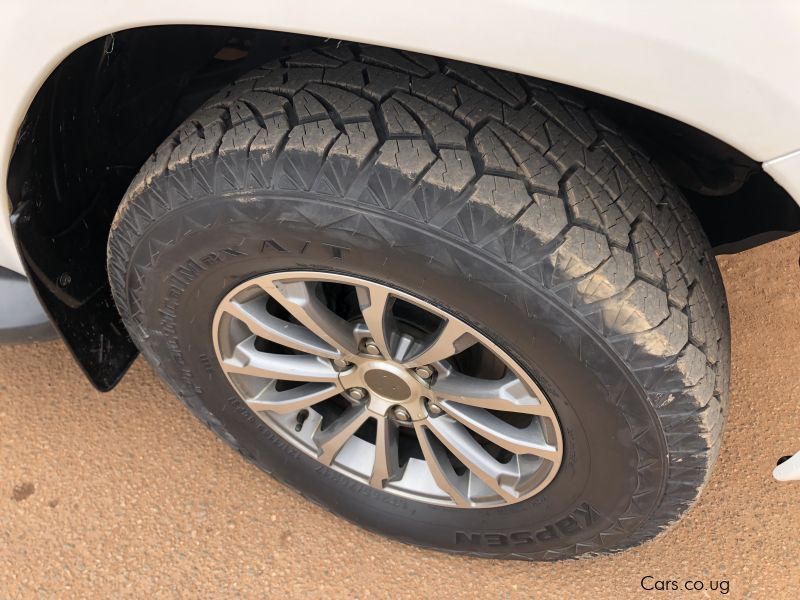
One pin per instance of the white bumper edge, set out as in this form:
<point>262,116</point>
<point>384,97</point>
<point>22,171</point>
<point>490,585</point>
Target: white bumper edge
<point>786,171</point>
<point>22,318</point>
<point>788,470</point>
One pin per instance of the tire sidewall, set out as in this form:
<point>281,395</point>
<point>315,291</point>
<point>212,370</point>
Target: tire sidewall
<point>207,247</point>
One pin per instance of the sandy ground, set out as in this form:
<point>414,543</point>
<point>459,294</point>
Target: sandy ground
<point>125,494</point>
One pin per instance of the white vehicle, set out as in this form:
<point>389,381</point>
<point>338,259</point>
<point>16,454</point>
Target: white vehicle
<point>445,268</point>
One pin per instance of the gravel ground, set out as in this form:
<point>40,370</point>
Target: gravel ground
<point>125,494</point>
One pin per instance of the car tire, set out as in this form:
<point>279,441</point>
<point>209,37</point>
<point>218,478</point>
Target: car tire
<point>498,201</point>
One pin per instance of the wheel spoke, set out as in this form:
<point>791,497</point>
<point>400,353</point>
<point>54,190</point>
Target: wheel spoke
<point>529,440</point>
<point>375,303</point>
<point>453,337</point>
<point>294,399</point>
<point>442,471</point>
<point>247,360</point>
<point>473,456</point>
<point>300,300</point>
<point>509,394</point>
<point>386,465</point>
<point>332,440</point>
<point>254,314</point>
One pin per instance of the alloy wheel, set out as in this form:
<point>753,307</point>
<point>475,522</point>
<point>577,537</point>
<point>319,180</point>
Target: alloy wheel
<point>388,389</point>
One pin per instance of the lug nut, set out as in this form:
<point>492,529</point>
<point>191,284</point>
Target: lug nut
<point>340,363</point>
<point>401,414</point>
<point>371,348</point>
<point>424,372</point>
<point>357,393</point>
<point>434,409</point>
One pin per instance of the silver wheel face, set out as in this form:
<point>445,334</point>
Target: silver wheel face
<point>387,389</point>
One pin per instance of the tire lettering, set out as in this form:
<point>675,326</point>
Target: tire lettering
<point>468,539</point>
<point>337,252</point>
<point>583,517</point>
<point>520,538</point>
<point>331,250</point>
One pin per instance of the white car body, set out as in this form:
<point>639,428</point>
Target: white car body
<point>727,67</point>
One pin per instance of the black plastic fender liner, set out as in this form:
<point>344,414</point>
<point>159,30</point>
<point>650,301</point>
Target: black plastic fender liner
<point>91,327</point>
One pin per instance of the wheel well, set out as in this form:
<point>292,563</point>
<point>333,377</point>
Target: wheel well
<point>106,107</point>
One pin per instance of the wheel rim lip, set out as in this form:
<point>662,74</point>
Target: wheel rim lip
<point>287,275</point>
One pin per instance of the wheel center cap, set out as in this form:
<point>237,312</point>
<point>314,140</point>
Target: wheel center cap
<point>387,384</point>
